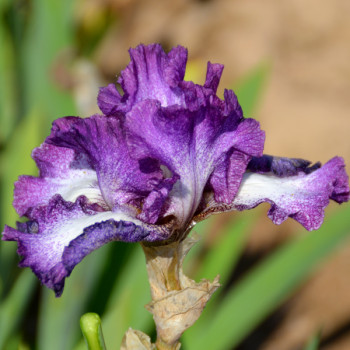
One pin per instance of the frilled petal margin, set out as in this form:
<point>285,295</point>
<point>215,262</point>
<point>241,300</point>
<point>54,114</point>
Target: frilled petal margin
<point>61,172</point>
<point>151,74</point>
<point>124,179</point>
<point>63,233</point>
<point>302,196</point>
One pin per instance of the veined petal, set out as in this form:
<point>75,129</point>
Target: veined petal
<point>197,145</point>
<point>227,175</point>
<point>153,205</point>
<point>109,99</point>
<point>151,74</point>
<point>185,126</point>
<point>236,149</point>
<point>302,197</point>
<point>61,234</point>
<point>61,171</point>
<point>125,180</point>
<point>281,166</point>
<point>214,72</point>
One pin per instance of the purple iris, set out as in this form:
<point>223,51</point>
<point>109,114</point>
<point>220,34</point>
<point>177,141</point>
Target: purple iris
<point>164,155</point>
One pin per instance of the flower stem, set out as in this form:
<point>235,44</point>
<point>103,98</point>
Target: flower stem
<point>161,345</point>
<point>90,324</point>
<point>177,301</point>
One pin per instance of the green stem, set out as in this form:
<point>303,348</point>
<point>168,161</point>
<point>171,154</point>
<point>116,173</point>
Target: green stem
<point>90,325</point>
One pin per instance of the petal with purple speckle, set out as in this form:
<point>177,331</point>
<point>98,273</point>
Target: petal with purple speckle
<point>61,234</point>
<point>302,196</point>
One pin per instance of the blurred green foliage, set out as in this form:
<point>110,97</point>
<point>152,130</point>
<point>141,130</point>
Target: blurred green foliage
<point>313,343</point>
<point>113,281</point>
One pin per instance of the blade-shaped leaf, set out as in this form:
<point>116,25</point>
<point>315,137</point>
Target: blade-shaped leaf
<point>221,259</point>
<point>7,95</point>
<point>13,307</point>
<point>270,283</point>
<point>59,317</point>
<point>223,255</point>
<point>313,343</point>
<point>249,90</point>
<point>15,160</point>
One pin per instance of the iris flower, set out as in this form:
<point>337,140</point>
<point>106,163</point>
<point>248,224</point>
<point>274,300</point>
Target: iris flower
<point>163,155</point>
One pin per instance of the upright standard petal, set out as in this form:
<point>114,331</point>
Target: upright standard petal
<point>109,100</point>
<point>151,74</point>
<point>208,143</point>
<point>185,126</point>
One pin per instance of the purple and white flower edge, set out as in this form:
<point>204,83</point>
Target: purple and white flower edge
<point>164,155</point>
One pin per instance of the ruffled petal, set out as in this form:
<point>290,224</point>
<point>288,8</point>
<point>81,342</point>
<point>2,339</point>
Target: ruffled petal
<point>125,179</point>
<point>302,197</point>
<point>165,154</point>
<point>214,72</point>
<point>109,99</point>
<point>153,206</point>
<point>227,176</point>
<point>185,126</point>
<point>61,171</point>
<point>236,148</point>
<point>151,74</point>
<point>196,145</point>
<point>281,166</point>
<point>61,234</point>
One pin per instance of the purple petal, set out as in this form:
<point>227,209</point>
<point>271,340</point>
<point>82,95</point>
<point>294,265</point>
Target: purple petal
<point>232,107</point>
<point>214,71</point>
<point>194,145</point>
<point>151,74</point>
<point>62,234</point>
<point>124,178</point>
<point>302,197</point>
<point>153,205</point>
<point>185,126</point>
<point>281,166</point>
<point>227,176</point>
<point>61,172</point>
<point>108,99</point>
<point>241,144</point>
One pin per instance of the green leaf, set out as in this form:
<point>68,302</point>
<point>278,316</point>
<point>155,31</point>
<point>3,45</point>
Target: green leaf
<point>313,343</point>
<point>7,95</point>
<point>225,252</point>
<point>90,325</point>
<point>49,34</point>
<point>250,88</point>
<point>268,285</point>
<point>15,160</point>
<point>221,259</point>
<point>14,306</point>
<point>59,317</point>
<point>126,306</point>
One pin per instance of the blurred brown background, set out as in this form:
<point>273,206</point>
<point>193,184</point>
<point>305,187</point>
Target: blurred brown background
<point>304,109</point>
